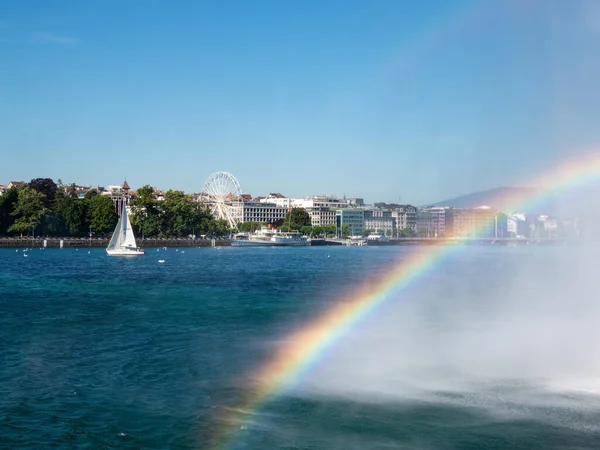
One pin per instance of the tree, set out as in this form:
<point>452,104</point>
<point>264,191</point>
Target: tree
<point>306,230</point>
<point>7,205</point>
<point>329,230</point>
<point>102,215</point>
<point>296,218</point>
<point>249,226</point>
<point>47,187</point>
<point>75,214</point>
<point>204,221</point>
<point>90,194</point>
<point>178,214</point>
<point>146,214</point>
<point>53,224</point>
<point>407,232</point>
<point>28,210</point>
<point>220,228</point>
<point>345,231</point>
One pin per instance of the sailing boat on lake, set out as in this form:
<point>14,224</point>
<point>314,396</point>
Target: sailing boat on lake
<point>122,242</point>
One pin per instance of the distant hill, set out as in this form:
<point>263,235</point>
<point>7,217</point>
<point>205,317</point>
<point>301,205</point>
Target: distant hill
<point>502,198</point>
<point>528,200</point>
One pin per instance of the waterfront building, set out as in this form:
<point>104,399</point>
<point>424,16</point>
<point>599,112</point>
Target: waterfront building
<point>511,227</point>
<point>380,221</point>
<point>406,217</point>
<point>352,217</point>
<point>545,227</point>
<point>321,209</point>
<point>262,212</point>
<point>433,221</point>
<point>520,225</point>
<point>472,222</point>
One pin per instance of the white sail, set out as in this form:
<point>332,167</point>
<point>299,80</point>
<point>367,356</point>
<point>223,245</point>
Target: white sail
<point>116,242</point>
<point>123,242</point>
<point>129,237</point>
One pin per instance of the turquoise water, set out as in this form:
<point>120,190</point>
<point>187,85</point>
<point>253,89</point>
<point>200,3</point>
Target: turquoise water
<point>494,348</point>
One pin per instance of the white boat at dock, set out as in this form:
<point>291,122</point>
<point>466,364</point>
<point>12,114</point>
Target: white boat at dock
<point>269,237</point>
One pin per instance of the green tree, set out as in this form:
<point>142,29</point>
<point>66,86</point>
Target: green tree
<point>75,214</point>
<point>250,226</point>
<point>296,218</point>
<point>7,205</point>
<point>90,194</point>
<point>407,232</point>
<point>329,230</point>
<point>146,215</point>
<point>178,214</point>
<point>307,230</point>
<point>28,210</point>
<point>53,224</point>
<point>345,231</point>
<point>220,228</point>
<point>102,215</point>
<point>47,187</point>
<point>204,221</point>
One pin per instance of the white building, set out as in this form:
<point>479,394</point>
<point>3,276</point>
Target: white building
<point>118,194</point>
<point>262,212</point>
<point>321,209</point>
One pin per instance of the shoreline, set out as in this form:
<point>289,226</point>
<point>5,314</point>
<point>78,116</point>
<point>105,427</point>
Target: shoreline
<point>150,243</point>
<point>101,242</point>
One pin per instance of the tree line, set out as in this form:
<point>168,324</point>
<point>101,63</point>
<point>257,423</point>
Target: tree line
<point>45,208</point>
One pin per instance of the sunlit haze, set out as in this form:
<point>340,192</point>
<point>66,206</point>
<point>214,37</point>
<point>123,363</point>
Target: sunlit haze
<point>394,99</point>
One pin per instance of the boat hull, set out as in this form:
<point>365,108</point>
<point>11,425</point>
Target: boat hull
<point>248,243</point>
<point>125,252</point>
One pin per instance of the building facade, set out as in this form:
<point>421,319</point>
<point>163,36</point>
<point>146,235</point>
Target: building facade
<point>354,218</point>
<point>380,221</point>
<point>262,212</point>
<point>406,218</point>
<point>473,222</point>
<point>432,222</point>
<point>119,196</point>
<point>321,209</point>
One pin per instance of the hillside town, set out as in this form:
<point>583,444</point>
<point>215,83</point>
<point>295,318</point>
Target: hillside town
<point>347,217</point>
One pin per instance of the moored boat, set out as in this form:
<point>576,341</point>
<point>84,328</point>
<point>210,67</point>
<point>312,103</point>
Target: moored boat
<point>269,237</point>
<point>377,239</point>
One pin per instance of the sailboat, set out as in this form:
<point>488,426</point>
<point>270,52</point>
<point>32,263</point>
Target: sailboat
<point>122,242</point>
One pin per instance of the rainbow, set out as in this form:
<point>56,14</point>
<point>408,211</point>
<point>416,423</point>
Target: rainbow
<point>304,348</point>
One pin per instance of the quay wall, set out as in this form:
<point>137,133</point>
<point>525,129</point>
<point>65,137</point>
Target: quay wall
<point>99,242</point>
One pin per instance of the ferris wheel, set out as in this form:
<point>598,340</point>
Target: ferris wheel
<point>224,197</point>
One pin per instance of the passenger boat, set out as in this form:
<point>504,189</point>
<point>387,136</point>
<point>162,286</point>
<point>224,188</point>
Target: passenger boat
<point>269,237</point>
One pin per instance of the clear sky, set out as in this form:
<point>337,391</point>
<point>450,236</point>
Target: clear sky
<point>422,100</point>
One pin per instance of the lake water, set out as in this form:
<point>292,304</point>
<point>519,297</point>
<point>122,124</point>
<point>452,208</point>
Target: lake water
<point>495,347</point>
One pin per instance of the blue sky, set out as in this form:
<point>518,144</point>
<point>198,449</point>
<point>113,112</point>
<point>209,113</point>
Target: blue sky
<point>385,100</point>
